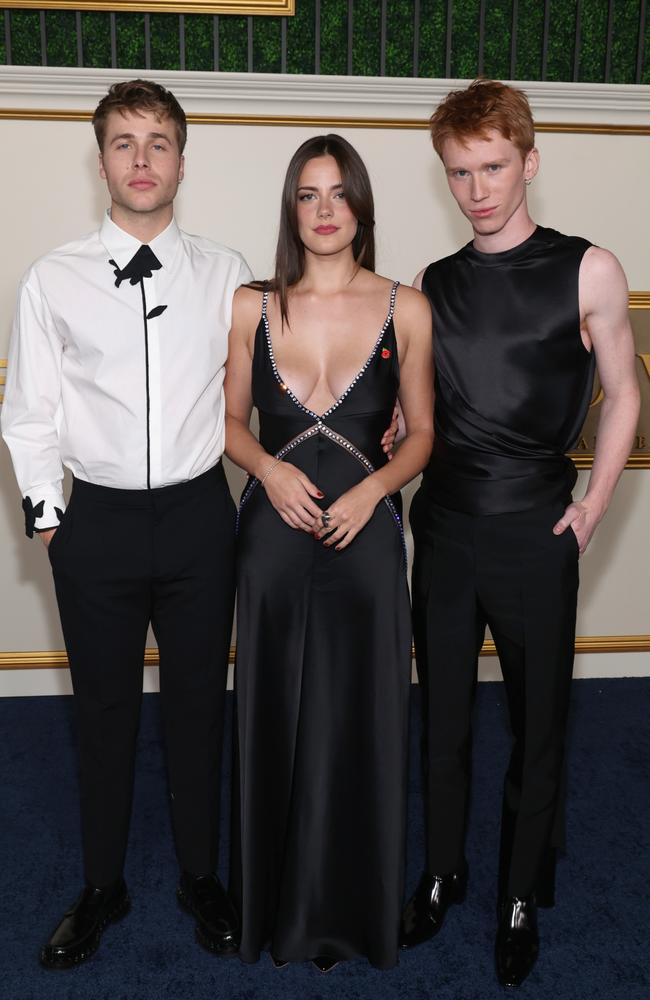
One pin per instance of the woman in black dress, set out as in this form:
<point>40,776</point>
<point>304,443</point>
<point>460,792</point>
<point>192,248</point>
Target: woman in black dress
<point>323,622</point>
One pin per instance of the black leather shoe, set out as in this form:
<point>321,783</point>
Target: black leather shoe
<point>217,927</point>
<point>78,935</point>
<point>517,944</point>
<point>425,912</point>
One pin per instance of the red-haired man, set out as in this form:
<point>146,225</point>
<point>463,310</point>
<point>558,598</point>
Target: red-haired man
<point>522,317</point>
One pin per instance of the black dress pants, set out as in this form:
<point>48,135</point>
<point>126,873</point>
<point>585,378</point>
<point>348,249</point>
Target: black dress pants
<point>508,571</point>
<point>122,559</point>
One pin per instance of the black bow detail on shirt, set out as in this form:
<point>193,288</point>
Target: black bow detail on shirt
<point>140,266</point>
<point>31,513</point>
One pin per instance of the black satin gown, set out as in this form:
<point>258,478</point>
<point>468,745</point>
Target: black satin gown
<point>322,685</point>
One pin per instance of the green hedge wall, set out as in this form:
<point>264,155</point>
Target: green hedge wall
<point>577,40</point>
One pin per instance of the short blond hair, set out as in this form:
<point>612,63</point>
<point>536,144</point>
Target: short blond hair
<point>484,106</point>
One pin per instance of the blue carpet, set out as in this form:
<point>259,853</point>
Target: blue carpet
<point>594,943</point>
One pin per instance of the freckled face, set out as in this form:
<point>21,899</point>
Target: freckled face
<point>487,178</point>
<point>141,164</point>
<point>325,222</point>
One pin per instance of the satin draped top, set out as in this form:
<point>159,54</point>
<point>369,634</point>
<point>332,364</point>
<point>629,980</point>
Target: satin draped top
<point>513,378</point>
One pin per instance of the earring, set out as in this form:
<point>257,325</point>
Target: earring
<point>528,181</point>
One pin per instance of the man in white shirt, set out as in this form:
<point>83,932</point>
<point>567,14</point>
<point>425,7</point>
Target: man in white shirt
<point>116,369</point>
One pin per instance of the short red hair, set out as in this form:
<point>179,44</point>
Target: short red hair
<point>484,106</point>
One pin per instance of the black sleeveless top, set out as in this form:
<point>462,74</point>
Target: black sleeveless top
<point>513,378</point>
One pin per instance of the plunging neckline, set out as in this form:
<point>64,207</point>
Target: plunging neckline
<point>339,399</point>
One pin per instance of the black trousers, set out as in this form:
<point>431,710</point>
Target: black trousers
<point>122,559</point>
<point>508,571</point>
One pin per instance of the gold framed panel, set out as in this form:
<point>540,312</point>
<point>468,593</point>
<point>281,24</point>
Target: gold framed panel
<point>583,453</point>
<point>277,7</point>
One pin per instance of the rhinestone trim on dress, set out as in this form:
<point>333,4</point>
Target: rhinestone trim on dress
<point>285,387</point>
<point>369,467</point>
<point>321,428</point>
<point>279,455</point>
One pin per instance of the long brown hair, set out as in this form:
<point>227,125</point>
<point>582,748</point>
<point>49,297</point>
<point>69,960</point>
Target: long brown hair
<point>290,252</point>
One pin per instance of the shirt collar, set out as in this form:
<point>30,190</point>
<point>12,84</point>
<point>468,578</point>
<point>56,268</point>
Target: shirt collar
<point>122,246</point>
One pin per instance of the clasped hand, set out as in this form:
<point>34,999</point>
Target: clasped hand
<point>292,495</point>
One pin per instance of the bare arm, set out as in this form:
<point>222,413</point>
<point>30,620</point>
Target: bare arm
<point>350,512</point>
<point>606,324</point>
<point>289,490</point>
<point>396,431</point>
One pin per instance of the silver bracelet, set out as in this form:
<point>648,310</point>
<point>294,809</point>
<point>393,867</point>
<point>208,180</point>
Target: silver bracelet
<point>269,471</point>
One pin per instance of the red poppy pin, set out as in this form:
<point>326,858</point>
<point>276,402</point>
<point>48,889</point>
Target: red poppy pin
<point>385,353</point>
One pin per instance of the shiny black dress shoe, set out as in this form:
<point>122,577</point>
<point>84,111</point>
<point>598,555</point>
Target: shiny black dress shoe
<point>78,935</point>
<point>324,964</point>
<point>217,927</point>
<point>425,912</point>
<point>517,944</point>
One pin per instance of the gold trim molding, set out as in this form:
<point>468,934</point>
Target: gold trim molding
<point>257,7</point>
<point>594,644</point>
<point>586,461</point>
<point>309,121</point>
<point>57,659</point>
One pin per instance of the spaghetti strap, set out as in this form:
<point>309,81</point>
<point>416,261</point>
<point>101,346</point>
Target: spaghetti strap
<point>391,307</point>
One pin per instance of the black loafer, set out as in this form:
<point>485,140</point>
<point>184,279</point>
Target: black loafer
<point>78,934</point>
<point>425,912</point>
<point>217,927</point>
<point>517,944</point>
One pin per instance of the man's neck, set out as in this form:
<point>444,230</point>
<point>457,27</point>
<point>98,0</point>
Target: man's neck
<point>143,226</point>
<point>515,231</point>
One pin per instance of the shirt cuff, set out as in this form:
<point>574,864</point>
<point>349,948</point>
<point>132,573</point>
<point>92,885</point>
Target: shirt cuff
<point>43,512</point>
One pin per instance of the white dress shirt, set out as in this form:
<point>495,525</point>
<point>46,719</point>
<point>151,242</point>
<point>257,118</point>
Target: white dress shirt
<point>78,372</point>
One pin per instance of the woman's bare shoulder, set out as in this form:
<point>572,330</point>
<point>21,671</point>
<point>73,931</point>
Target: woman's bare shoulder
<point>405,293</point>
<point>376,282</point>
<point>247,306</point>
<point>412,305</point>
